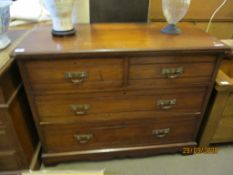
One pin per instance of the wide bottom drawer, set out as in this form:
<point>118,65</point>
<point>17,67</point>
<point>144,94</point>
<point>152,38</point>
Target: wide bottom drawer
<point>74,137</point>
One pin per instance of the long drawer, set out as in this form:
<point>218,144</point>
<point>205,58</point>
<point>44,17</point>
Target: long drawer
<point>74,137</point>
<point>176,71</point>
<point>75,74</point>
<point>95,106</point>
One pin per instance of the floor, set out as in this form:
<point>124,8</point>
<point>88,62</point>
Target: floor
<point>175,164</point>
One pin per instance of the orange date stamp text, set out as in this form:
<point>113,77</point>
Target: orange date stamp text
<point>199,150</point>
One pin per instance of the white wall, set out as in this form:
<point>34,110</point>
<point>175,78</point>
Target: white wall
<point>34,10</point>
<point>81,11</point>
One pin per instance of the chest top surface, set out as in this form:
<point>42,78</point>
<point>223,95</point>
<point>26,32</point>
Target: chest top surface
<point>117,38</point>
<point>15,36</point>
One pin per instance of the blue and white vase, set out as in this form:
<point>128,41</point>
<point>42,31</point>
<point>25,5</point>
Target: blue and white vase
<point>4,23</point>
<point>61,14</point>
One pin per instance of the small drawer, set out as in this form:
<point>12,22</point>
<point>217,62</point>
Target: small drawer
<point>5,142</point>
<point>169,72</point>
<point>74,137</point>
<point>75,74</point>
<point>9,160</point>
<point>104,105</point>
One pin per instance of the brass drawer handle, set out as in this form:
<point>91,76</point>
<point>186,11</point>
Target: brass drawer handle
<point>83,138</point>
<point>80,109</point>
<point>161,133</point>
<point>172,72</point>
<point>76,77</point>
<point>166,104</point>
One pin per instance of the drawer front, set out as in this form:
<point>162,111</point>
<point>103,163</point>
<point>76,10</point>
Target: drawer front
<point>75,74</point>
<point>79,108</point>
<point>4,140</point>
<point>8,160</point>
<point>74,137</point>
<point>169,72</point>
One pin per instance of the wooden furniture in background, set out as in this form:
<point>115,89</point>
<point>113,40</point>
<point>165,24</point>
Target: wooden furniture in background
<point>199,14</point>
<point>219,125</point>
<point>117,90</point>
<point>198,11</point>
<point>18,139</point>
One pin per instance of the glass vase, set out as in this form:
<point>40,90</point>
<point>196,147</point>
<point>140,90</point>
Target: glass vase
<point>174,11</point>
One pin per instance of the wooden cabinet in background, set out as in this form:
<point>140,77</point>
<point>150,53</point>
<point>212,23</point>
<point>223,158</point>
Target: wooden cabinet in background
<point>199,15</point>
<point>219,124</point>
<point>117,90</point>
<point>198,12</point>
<point>18,138</point>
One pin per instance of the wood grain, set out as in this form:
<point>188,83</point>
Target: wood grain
<point>115,39</point>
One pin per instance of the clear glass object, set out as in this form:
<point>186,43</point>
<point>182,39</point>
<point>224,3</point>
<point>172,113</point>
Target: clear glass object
<point>174,11</point>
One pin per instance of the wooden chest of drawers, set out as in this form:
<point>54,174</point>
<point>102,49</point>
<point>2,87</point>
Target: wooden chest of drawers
<point>117,89</point>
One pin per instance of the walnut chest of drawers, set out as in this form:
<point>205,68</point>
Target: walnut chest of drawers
<point>117,90</point>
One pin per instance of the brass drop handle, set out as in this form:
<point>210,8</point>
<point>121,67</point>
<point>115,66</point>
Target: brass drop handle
<point>160,133</point>
<point>82,109</point>
<point>166,104</point>
<point>172,72</point>
<point>76,77</point>
<point>173,76</point>
<point>83,138</point>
